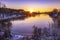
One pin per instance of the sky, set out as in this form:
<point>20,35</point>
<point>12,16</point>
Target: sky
<point>32,4</point>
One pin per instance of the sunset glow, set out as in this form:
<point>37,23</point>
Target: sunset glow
<point>32,5</point>
<point>38,10</point>
<point>31,10</point>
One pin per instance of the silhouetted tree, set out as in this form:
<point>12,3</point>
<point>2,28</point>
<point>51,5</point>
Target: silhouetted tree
<point>55,13</point>
<point>55,10</point>
<point>6,29</point>
<point>59,22</point>
<point>36,33</point>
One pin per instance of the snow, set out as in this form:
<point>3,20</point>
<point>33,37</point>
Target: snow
<point>9,17</point>
<point>1,33</point>
<point>16,37</point>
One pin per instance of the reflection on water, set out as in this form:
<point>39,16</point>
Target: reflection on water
<point>26,26</point>
<point>39,26</point>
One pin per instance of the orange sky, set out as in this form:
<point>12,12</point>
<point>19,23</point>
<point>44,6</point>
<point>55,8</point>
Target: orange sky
<point>35,5</point>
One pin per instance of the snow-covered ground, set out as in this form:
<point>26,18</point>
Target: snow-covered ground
<point>9,17</point>
<point>16,37</point>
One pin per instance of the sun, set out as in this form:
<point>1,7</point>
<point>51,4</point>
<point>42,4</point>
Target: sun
<point>31,10</point>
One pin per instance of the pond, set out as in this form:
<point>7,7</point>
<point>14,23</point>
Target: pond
<point>26,26</point>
